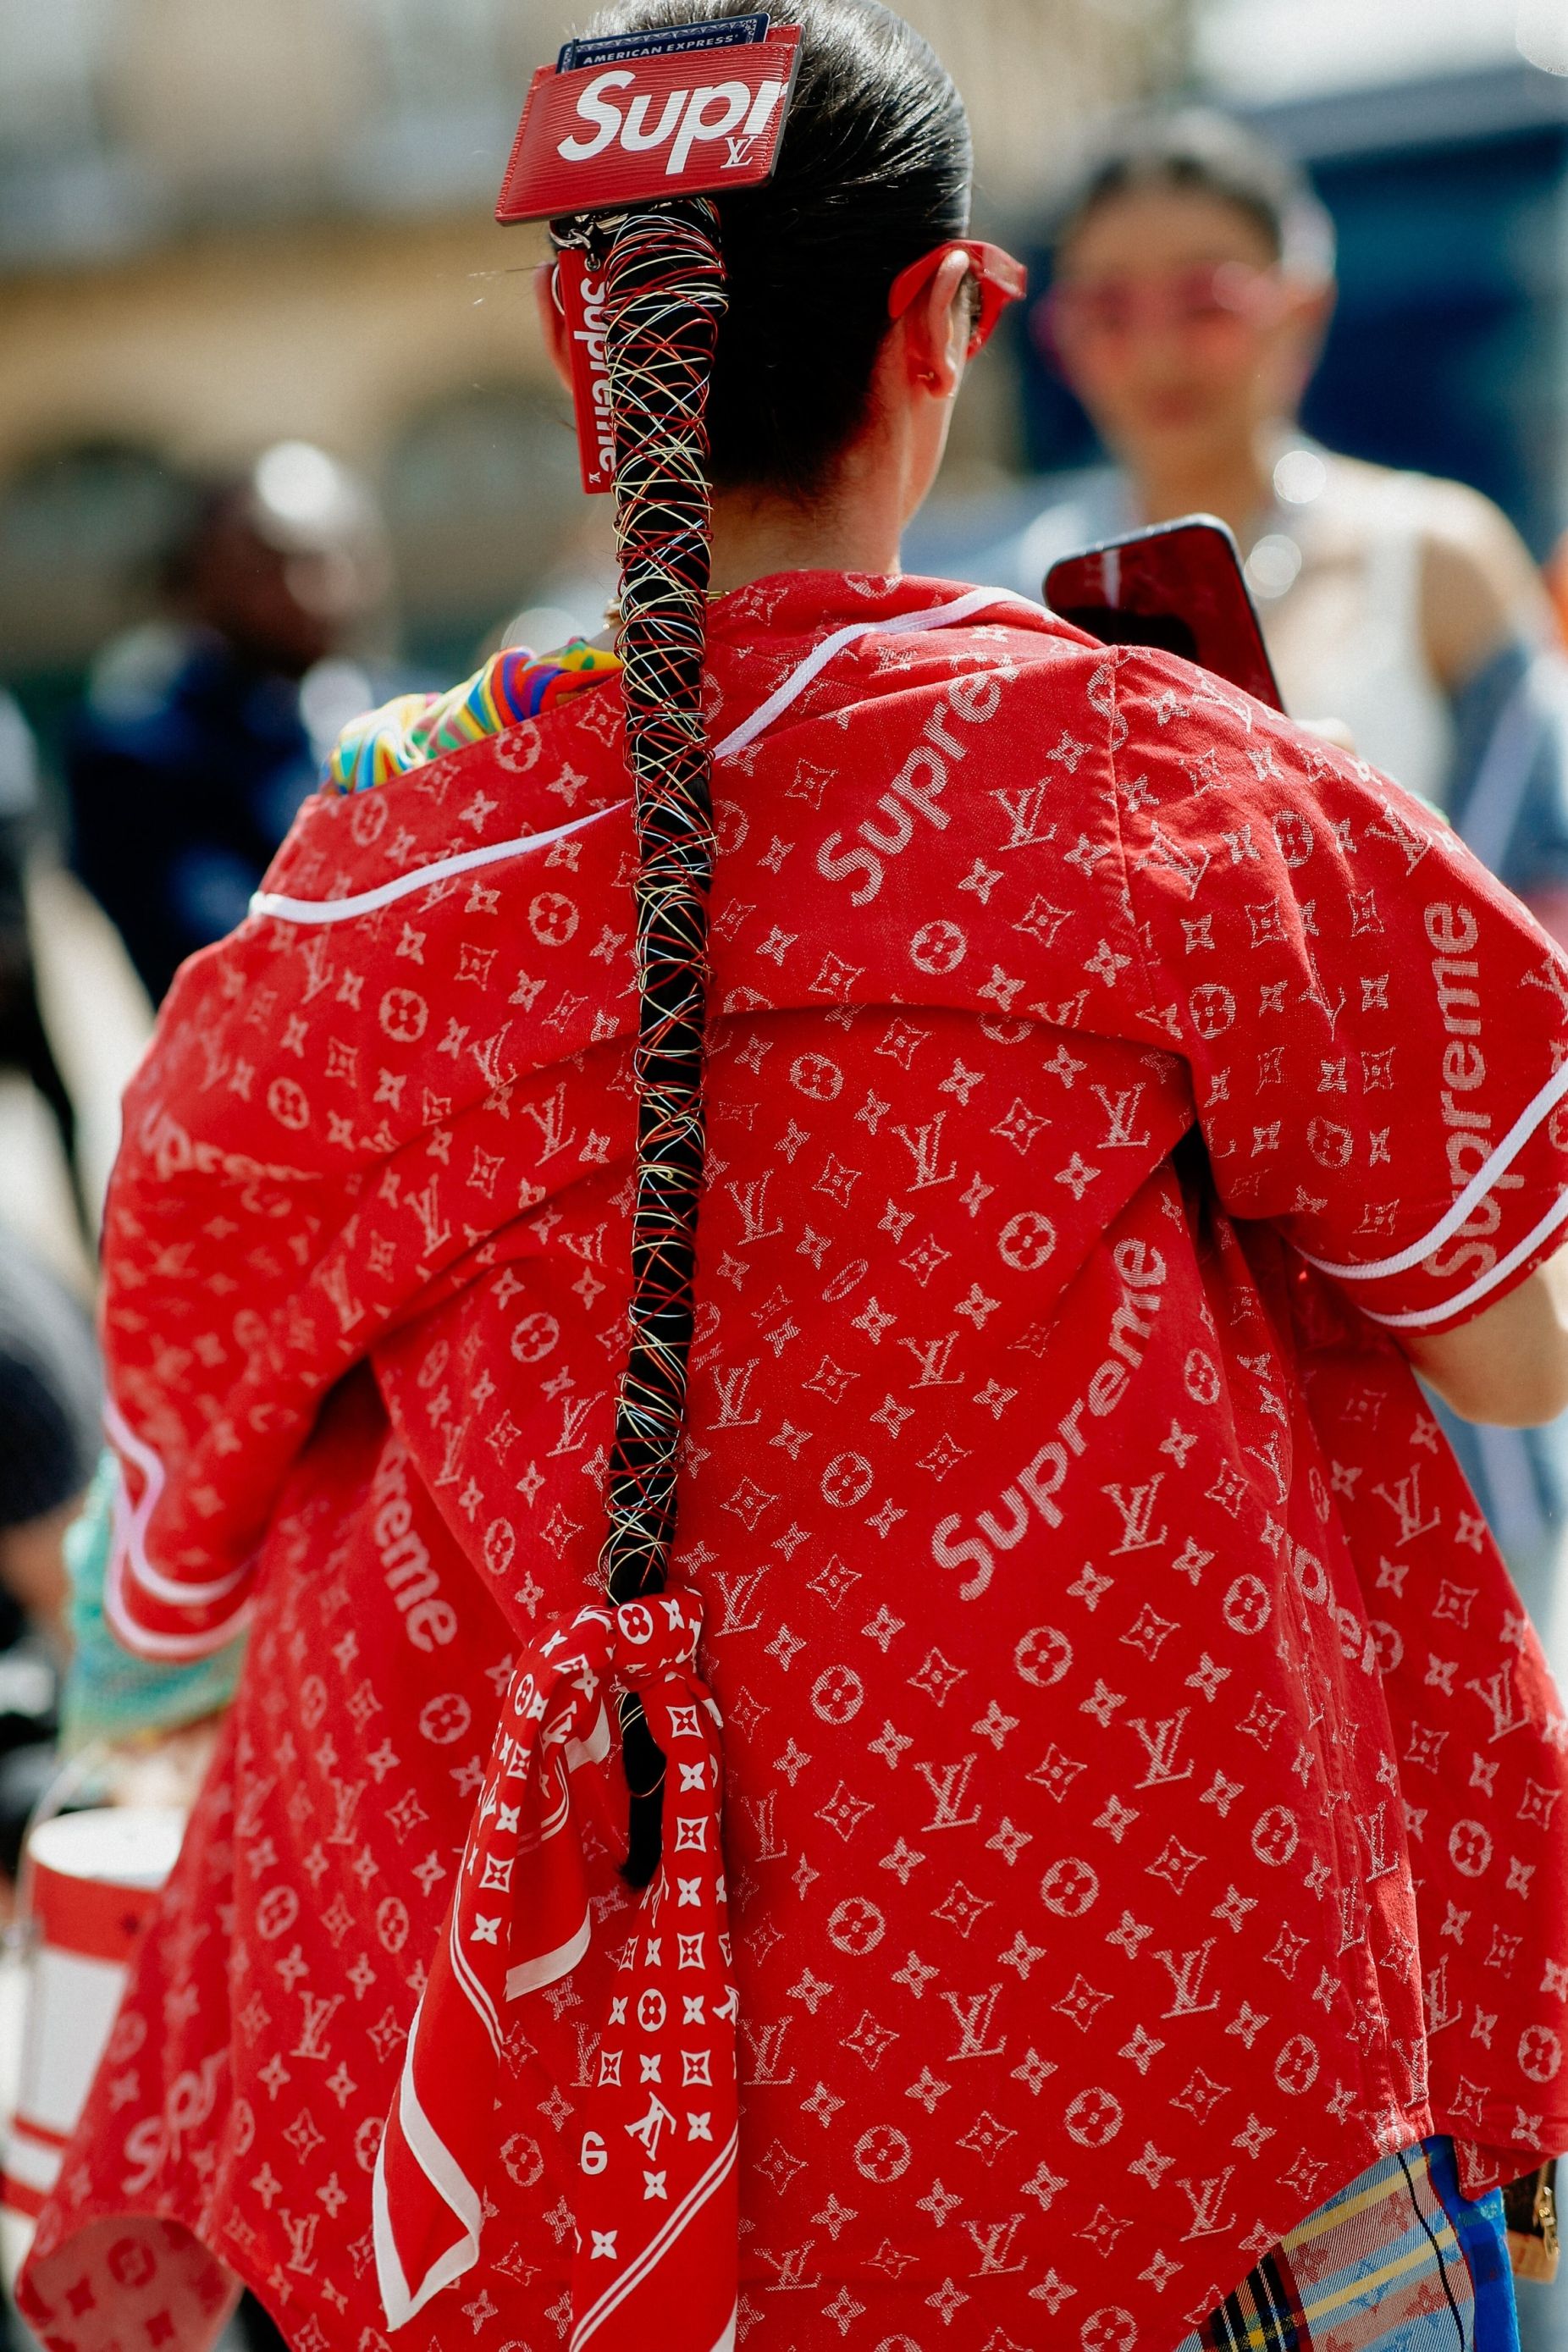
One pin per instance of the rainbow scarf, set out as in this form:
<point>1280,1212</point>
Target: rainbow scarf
<point>515,684</point>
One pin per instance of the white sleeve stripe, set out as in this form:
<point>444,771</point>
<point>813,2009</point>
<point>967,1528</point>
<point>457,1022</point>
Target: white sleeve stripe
<point>175,1649</point>
<point>1475,1191</point>
<point>130,1522</point>
<point>939,616</point>
<point>1420,1316</point>
<point>368,902</point>
<point>467,861</point>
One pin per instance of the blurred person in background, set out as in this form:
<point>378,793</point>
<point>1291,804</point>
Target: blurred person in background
<point>1192,288</point>
<point>200,737</point>
<point>25,1044</point>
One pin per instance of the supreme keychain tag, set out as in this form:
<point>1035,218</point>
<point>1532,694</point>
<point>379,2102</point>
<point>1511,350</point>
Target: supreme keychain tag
<point>660,122</point>
<point>581,292</point>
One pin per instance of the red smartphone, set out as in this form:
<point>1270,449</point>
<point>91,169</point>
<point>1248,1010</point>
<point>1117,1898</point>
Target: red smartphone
<point>1179,586</point>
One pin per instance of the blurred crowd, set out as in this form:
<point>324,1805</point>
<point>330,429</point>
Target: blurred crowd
<point>1190,287</point>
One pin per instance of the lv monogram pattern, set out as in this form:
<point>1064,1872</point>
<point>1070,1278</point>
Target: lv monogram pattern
<point>1141,1782</point>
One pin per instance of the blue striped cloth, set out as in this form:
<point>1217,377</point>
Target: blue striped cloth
<point>1399,2261</point>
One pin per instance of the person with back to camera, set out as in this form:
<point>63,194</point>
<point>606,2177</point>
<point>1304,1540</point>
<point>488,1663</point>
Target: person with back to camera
<point>1193,283</point>
<point>1131,1924</point>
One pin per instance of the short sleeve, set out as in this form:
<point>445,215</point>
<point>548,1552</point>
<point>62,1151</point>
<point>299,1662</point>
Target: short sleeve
<point>1377,1032</point>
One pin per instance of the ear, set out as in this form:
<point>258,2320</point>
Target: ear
<point>553,321</point>
<point>1306,321</point>
<point>1313,309</point>
<point>936,331</point>
<point>1317,307</point>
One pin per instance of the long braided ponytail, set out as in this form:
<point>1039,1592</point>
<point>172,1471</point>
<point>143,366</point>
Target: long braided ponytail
<point>664,298</point>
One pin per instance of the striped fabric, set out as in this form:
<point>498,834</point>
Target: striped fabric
<point>1399,2261</point>
<point>513,684</point>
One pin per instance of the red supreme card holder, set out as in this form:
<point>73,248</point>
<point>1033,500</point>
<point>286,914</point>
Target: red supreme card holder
<point>654,122</point>
<point>579,290</point>
<point>635,118</point>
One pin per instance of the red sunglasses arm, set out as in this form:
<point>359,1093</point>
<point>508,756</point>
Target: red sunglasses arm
<point>1002,279</point>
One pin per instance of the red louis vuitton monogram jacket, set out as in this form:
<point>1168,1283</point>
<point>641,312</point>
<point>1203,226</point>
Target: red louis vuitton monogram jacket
<point>1139,1781</point>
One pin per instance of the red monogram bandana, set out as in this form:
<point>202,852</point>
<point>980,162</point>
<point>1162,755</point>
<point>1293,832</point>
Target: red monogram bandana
<point>657,2212</point>
<point>1141,1785</point>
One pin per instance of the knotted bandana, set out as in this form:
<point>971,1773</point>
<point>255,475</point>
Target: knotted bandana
<point>658,2150</point>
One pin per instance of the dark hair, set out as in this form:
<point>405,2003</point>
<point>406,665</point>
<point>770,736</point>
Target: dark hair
<point>876,169</point>
<point>1214,155</point>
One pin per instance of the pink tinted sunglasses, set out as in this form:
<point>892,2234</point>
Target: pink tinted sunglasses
<point>1214,299</point>
<point>1000,278</point>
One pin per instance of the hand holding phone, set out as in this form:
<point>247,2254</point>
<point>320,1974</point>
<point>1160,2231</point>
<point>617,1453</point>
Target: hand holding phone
<point>1179,586</point>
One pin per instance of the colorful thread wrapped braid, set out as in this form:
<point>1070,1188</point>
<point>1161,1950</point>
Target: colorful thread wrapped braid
<point>664,296</point>
<point>513,684</point>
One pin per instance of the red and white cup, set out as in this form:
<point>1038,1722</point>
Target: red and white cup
<point>90,1881</point>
